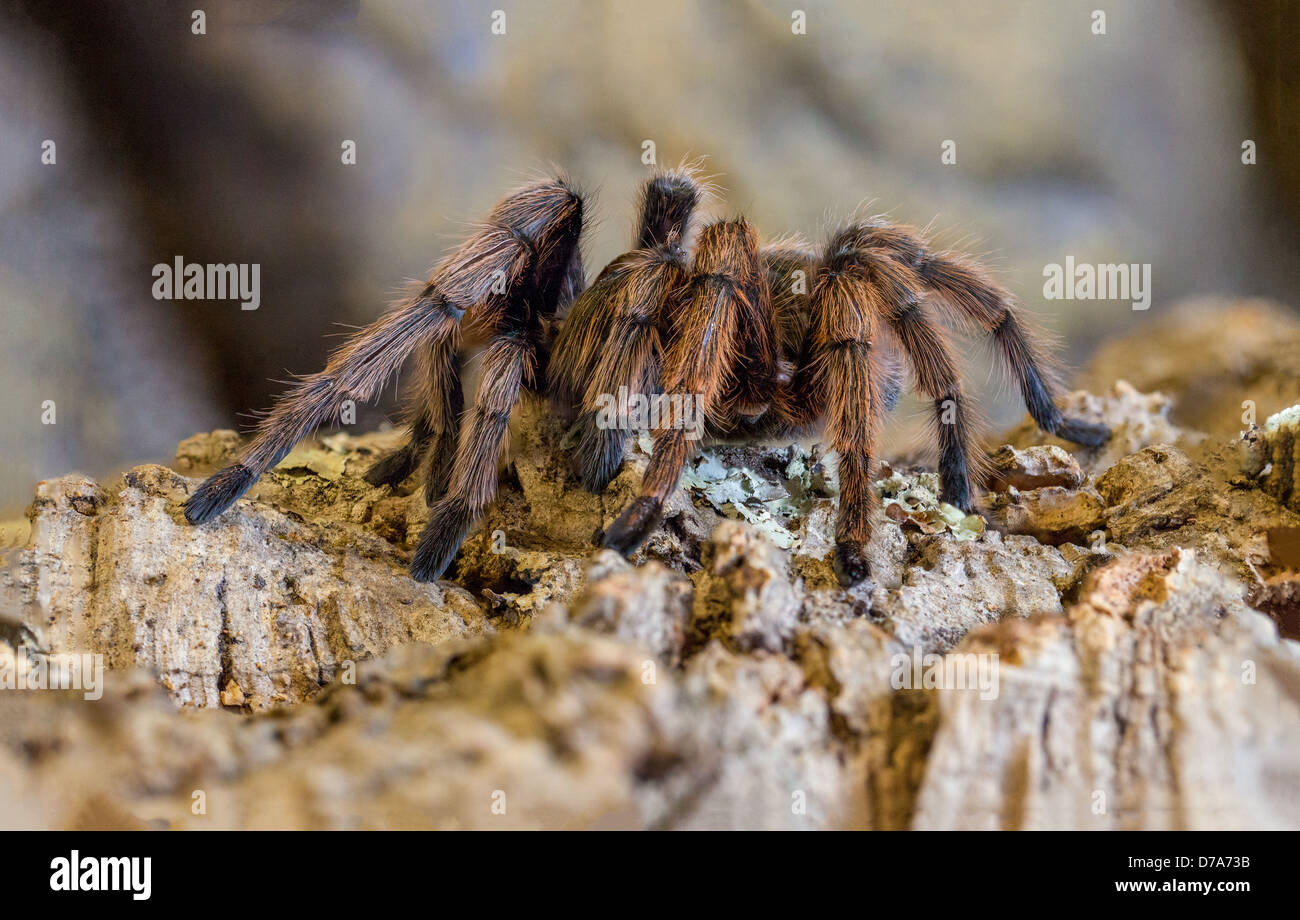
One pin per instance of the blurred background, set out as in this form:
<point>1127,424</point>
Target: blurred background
<point>226,147</point>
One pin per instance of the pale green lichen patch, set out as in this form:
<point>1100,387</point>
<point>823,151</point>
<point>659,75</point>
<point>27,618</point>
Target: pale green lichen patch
<point>739,492</point>
<point>774,504</point>
<point>778,507</point>
<point>914,500</point>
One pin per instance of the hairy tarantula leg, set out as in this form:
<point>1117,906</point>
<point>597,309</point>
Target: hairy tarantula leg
<point>845,308</point>
<point>526,229</point>
<point>698,362</point>
<point>627,362</point>
<point>397,464</point>
<point>891,381</point>
<point>791,266</point>
<point>966,290</point>
<point>928,354</point>
<point>894,294</point>
<point>435,405</point>
<point>354,371</point>
<point>443,389</point>
<point>627,367</point>
<point>508,361</point>
<point>609,347</point>
<point>668,201</point>
<point>433,408</point>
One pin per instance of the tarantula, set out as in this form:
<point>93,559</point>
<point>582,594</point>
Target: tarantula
<point>772,342</point>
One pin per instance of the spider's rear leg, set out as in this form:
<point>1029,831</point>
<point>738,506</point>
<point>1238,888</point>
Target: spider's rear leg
<point>699,360</point>
<point>435,409</point>
<point>894,292</point>
<point>526,229</point>
<point>848,387</point>
<point>965,289</point>
<point>926,348</point>
<point>1038,385</point>
<point>508,362</point>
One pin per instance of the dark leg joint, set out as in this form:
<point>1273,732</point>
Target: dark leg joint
<point>526,240</point>
<point>727,281</point>
<point>1008,319</point>
<point>910,313</point>
<point>853,345</point>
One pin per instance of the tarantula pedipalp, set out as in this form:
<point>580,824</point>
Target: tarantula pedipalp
<point>761,356</point>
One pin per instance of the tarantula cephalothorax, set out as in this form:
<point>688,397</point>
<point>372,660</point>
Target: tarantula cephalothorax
<point>772,342</point>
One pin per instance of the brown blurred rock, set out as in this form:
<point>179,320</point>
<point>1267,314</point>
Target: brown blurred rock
<point>744,596</point>
<point>952,586</point>
<point>649,605</point>
<point>1053,515</point>
<point>1033,468</point>
<point>1209,358</point>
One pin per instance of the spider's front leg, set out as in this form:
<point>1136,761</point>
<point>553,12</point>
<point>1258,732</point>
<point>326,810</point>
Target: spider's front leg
<point>700,359</point>
<point>609,346</point>
<point>435,405</point>
<point>846,381</point>
<point>511,361</point>
<point>356,371</point>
